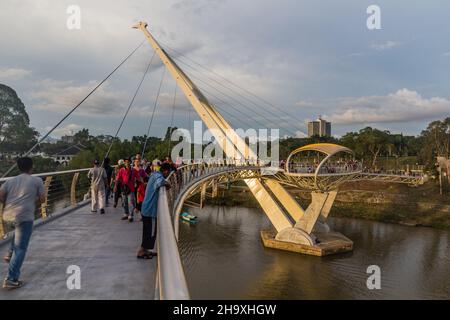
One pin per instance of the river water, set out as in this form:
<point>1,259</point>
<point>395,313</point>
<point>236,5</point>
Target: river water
<point>224,258</point>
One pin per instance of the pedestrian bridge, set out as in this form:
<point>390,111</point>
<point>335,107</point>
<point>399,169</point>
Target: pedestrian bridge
<point>104,247</point>
<point>101,245</point>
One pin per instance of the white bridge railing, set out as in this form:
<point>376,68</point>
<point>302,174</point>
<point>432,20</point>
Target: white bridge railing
<point>64,190</point>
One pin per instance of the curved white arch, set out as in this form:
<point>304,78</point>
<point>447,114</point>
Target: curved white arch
<point>329,149</point>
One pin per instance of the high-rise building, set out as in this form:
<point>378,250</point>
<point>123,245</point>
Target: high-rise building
<point>320,127</point>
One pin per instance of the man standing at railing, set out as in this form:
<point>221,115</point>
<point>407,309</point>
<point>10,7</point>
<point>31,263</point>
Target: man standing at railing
<point>150,209</point>
<point>19,196</point>
<point>98,178</point>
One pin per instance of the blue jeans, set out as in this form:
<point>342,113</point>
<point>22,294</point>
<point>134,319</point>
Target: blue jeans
<point>128,203</point>
<point>108,194</point>
<point>19,246</point>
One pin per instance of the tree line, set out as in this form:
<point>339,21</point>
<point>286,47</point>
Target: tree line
<point>369,144</point>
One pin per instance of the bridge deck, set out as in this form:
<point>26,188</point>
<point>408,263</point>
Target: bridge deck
<point>101,245</point>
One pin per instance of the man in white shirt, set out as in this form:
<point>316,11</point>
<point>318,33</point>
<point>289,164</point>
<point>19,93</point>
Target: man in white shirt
<point>19,196</point>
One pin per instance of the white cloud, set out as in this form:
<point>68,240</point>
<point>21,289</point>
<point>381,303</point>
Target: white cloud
<point>402,106</point>
<point>13,73</point>
<point>66,130</point>
<point>62,96</point>
<point>447,54</point>
<point>355,54</point>
<point>300,134</point>
<point>197,6</point>
<point>386,45</point>
<point>305,104</point>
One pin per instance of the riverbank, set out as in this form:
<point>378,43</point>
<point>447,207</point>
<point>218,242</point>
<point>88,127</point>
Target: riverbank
<point>383,202</point>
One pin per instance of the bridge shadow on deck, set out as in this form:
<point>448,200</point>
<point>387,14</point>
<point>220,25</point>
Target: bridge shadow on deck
<point>103,246</point>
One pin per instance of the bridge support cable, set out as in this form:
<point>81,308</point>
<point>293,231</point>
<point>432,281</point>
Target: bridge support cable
<point>271,113</point>
<point>75,107</point>
<point>154,109</point>
<point>234,100</point>
<point>129,107</point>
<point>180,58</point>
<point>240,113</point>
<point>235,117</point>
<point>273,122</point>
<point>288,116</point>
<point>190,122</point>
<point>171,118</point>
<point>199,102</point>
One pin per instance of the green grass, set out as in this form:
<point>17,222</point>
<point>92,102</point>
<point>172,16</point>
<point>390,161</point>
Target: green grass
<point>393,213</point>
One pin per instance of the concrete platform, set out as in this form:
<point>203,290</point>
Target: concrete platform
<point>330,243</point>
<point>103,246</point>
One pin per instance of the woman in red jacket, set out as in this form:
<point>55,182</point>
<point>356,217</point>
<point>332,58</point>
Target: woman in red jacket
<point>140,183</point>
<point>126,178</point>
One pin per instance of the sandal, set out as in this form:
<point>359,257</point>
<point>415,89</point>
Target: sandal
<point>144,256</point>
<point>7,258</point>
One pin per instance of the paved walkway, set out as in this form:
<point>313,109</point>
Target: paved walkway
<point>103,246</point>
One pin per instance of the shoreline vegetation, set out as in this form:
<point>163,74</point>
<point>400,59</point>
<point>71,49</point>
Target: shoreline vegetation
<point>382,202</point>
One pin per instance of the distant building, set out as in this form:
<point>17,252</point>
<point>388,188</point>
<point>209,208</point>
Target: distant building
<point>64,157</point>
<point>68,139</point>
<point>51,140</point>
<point>320,128</point>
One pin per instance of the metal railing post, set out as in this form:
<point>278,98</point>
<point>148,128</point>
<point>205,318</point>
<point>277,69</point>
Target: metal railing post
<point>48,181</point>
<point>73,189</point>
<point>2,228</point>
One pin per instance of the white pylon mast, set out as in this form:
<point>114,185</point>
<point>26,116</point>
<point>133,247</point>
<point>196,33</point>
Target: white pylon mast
<point>230,142</point>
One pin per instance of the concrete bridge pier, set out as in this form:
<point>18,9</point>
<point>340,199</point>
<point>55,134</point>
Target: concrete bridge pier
<point>311,234</point>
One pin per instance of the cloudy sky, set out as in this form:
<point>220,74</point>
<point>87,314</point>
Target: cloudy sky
<point>308,58</point>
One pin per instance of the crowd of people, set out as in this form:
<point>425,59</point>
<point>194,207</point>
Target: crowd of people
<point>339,166</point>
<point>134,182</point>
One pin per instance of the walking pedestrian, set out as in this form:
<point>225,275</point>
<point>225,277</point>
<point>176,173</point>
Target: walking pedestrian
<point>140,183</point>
<point>109,172</point>
<point>19,196</point>
<point>126,177</point>
<point>98,187</point>
<point>116,186</point>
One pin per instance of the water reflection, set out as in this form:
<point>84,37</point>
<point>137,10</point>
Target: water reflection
<point>224,259</point>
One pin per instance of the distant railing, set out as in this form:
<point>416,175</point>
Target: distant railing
<point>325,169</point>
<point>63,189</point>
<point>402,172</point>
